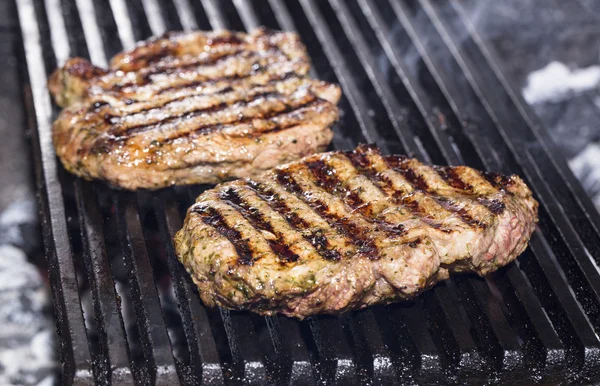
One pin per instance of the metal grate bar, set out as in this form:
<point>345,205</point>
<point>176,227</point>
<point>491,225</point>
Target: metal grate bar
<point>568,315</point>
<point>582,273</point>
<point>91,31</point>
<point>66,301</point>
<point>153,15</point>
<point>500,326</point>
<point>456,95</point>
<point>214,14</point>
<point>204,359</point>
<point>248,359</point>
<point>107,311</point>
<point>371,344</point>
<point>380,83</point>
<point>430,360</point>
<point>285,22</point>
<point>577,193</point>
<point>420,98</point>
<point>290,347</point>
<point>155,339</point>
<point>336,359</point>
<point>452,332</point>
<point>493,328</point>
<point>355,97</point>
<point>247,14</point>
<point>123,22</point>
<point>186,15</point>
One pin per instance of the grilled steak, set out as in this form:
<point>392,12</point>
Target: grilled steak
<point>343,230</point>
<point>192,108</point>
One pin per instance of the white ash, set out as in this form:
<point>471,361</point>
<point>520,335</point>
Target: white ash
<point>567,102</point>
<point>557,81</point>
<point>586,166</point>
<point>19,225</point>
<point>27,352</point>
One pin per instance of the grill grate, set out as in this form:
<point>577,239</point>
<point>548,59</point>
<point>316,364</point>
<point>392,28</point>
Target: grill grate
<point>418,80</point>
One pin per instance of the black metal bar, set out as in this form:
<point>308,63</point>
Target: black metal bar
<point>430,361</point>
<point>286,22</point>
<point>154,17</point>
<point>578,194</point>
<point>584,277</point>
<point>451,330</point>
<point>114,359</point>
<point>186,15</point>
<point>248,359</point>
<point>336,359</point>
<point>381,85</point>
<point>457,96</point>
<point>123,22</point>
<point>368,337</point>
<point>157,349</point>
<point>291,349</point>
<point>568,319</point>
<point>419,96</point>
<point>204,365</point>
<point>355,97</point>
<point>67,306</point>
<point>507,340</point>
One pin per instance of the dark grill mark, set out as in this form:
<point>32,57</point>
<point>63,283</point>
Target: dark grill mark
<point>204,129</point>
<point>96,106</point>
<point>224,39</point>
<point>278,204</point>
<point>358,158</point>
<point>415,243</point>
<point>210,216</point>
<point>494,206</point>
<point>497,180</point>
<point>399,165</point>
<point>400,197</point>
<point>253,215</point>
<point>452,177</point>
<point>222,91</point>
<point>194,113</point>
<point>449,205</point>
<point>105,144</point>
<point>418,182</point>
<point>344,225</point>
<point>326,176</point>
<point>207,82</point>
<point>171,67</point>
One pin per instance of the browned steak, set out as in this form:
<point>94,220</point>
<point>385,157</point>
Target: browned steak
<point>189,108</point>
<point>343,230</point>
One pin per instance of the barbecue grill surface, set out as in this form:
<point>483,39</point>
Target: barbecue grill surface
<point>128,313</point>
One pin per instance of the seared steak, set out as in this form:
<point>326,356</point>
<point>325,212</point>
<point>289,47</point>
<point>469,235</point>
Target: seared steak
<point>343,230</point>
<point>192,108</point>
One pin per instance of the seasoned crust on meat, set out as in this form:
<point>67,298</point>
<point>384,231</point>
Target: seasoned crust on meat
<point>343,230</point>
<point>189,108</point>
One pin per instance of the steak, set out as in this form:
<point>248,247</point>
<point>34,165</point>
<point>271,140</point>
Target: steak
<point>189,108</point>
<point>340,231</point>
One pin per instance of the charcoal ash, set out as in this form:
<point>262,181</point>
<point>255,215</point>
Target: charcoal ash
<point>27,336</point>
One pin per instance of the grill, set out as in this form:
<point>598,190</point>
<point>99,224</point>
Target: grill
<point>418,80</point>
